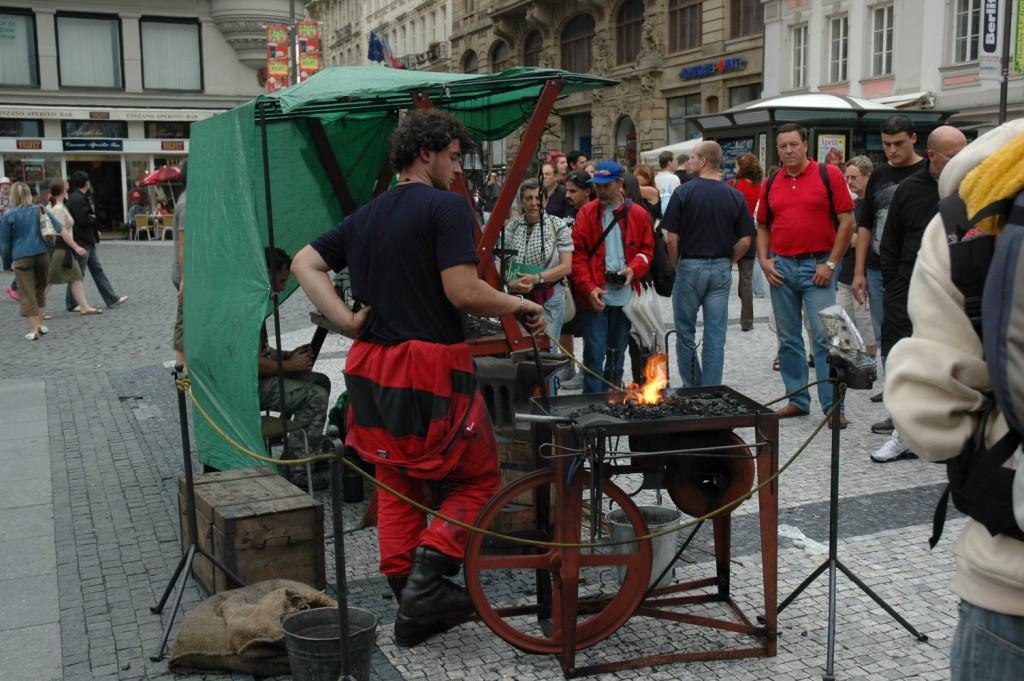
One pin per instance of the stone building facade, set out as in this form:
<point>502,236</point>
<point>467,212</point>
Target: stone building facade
<point>674,60</point>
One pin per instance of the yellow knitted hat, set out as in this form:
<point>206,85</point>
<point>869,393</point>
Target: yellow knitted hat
<point>998,177</point>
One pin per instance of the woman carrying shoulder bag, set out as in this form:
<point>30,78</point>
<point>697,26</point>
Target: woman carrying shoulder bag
<point>543,255</point>
<point>64,268</point>
<point>22,244</point>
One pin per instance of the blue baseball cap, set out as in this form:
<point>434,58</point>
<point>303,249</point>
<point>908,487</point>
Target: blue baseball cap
<point>606,172</point>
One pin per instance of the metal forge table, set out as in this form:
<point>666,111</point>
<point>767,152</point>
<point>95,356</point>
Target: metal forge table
<point>560,620</point>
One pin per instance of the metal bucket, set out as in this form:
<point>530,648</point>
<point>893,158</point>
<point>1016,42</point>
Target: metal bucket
<point>312,640</point>
<point>663,548</point>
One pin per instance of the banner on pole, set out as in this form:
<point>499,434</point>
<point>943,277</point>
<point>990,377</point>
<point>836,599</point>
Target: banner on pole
<point>1018,46</point>
<point>278,60</point>
<point>308,33</point>
<point>989,60</point>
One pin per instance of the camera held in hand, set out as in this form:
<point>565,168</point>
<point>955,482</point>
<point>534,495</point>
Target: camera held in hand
<point>615,278</point>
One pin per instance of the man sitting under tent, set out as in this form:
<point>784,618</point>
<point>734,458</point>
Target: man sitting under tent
<point>415,411</point>
<point>306,392</point>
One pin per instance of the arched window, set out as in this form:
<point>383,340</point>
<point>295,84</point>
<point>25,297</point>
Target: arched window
<point>532,48</point>
<point>629,25</point>
<point>470,62</point>
<point>499,57</point>
<point>577,40</point>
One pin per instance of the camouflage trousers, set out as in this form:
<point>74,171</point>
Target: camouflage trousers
<point>306,397</point>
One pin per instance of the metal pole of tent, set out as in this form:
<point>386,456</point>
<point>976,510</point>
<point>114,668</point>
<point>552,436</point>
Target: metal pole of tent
<point>274,294</point>
<point>1004,62</point>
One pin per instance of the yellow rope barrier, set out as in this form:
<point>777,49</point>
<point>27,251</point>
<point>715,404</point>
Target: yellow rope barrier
<point>185,385</point>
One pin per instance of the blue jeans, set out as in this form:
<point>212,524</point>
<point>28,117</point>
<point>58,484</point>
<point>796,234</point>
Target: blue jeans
<point>701,284</point>
<point>758,276</point>
<point>876,292</point>
<point>987,646</point>
<point>92,260</point>
<point>789,301</point>
<point>605,342</point>
<point>554,313</point>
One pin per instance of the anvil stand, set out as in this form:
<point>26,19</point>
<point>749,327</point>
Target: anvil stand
<point>837,374</point>
<point>183,572</point>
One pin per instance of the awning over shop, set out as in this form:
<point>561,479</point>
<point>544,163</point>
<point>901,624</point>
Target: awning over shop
<point>815,109</point>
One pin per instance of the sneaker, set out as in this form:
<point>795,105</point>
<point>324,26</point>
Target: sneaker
<point>882,427</point>
<point>76,308</point>
<point>43,330</point>
<point>118,301</point>
<point>878,397</point>
<point>894,449</point>
<point>574,383</point>
<point>12,294</point>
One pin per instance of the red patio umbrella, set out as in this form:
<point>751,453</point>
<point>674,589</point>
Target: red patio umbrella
<point>162,174</point>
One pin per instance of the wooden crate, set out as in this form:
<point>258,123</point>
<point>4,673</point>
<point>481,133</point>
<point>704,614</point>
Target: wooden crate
<point>258,524</point>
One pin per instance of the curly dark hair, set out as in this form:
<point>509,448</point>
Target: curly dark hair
<point>748,168</point>
<point>430,129</point>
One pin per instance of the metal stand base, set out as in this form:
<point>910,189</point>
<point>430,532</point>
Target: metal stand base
<point>832,563</point>
<point>183,572</point>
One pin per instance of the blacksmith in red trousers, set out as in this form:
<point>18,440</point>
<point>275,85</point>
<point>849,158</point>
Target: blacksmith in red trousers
<point>415,409</point>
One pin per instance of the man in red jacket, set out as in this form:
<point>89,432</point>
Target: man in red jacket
<point>613,244</point>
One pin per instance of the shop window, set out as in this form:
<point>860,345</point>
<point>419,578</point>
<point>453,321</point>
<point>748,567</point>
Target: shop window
<point>532,48</point>
<point>20,127</point>
<point>168,130</point>
<point>171,55</point>
<point>629,26</point>
<point>577,44</point>
<point>35,171</point>
<point>684,25</point>
<point>967,24</point>
<point>108,129</point>
<point>682,112</point>
<point>19,63</point>
<point>470,62</point>
<point>499,57</point>
<point>746,17</point>
<point>741,94</point>
<point>89,51</point>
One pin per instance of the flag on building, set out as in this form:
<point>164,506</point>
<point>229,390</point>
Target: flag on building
<point>380,51</point>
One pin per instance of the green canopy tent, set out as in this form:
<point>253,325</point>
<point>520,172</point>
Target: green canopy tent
<point>304,157</point>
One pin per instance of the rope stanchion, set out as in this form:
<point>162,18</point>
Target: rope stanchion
<point>185,386</point>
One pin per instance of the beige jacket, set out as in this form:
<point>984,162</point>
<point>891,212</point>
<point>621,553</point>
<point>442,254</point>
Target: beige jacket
<point>935,387</point>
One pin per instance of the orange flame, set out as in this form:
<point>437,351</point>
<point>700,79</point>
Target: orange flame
<point>655,380</point>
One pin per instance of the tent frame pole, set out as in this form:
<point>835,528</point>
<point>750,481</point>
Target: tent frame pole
<point>274,293</point>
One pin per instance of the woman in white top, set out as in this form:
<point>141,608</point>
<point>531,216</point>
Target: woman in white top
<point>64,267</point>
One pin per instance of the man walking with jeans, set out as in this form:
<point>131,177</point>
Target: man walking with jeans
<point>709,229</point>
<point>87,237</point>
<point>803,230</point>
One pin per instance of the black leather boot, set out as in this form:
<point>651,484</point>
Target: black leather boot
<point>429,603</point>
<point>397,583</point>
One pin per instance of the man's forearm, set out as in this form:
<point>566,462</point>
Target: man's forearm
<point>311,272</point>
<point>764,240</point>
<point>181,252</point>
<point>672,244</point>
<point>863,244</point>
<point>740,249</point>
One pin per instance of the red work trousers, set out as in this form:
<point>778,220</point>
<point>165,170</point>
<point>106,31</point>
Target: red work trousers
<point>474,479</point>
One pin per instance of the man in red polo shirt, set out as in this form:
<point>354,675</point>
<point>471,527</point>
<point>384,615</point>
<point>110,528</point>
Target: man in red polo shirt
<point>803,230</point>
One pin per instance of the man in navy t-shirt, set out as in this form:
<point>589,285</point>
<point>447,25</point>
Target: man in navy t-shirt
<point>709,229</point>
<point>415,412</point>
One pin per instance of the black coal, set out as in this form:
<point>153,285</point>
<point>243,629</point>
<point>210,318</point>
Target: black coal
<point>696,405</point>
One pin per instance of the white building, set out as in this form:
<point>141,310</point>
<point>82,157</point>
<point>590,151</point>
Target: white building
<point>416,30</point>
<point>112,87</point>
<point>919,53</point>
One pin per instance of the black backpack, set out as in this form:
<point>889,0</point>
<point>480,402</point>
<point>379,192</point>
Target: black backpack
<point>988,271</point>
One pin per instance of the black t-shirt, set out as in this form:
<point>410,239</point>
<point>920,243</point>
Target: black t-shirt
<point>913,206</point>
<point>557,204</point>
<point>877,197</point>
<point>395,248</point>
<point>709,216</point>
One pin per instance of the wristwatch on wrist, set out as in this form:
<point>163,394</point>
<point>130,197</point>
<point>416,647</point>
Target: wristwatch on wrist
<point>831,265</point>
<point>540,278</point>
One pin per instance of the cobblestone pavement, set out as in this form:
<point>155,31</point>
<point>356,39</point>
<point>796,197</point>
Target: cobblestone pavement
<point>114,457</point>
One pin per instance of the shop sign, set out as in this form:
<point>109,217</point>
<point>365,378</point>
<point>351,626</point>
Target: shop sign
<point>99,115</point>
<point>172,146</point>
<point>30,144</point>
<point>86,144</point>
<point>714,68</point>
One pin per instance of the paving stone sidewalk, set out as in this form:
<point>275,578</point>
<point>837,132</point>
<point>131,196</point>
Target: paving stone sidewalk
<point>94,403</point>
